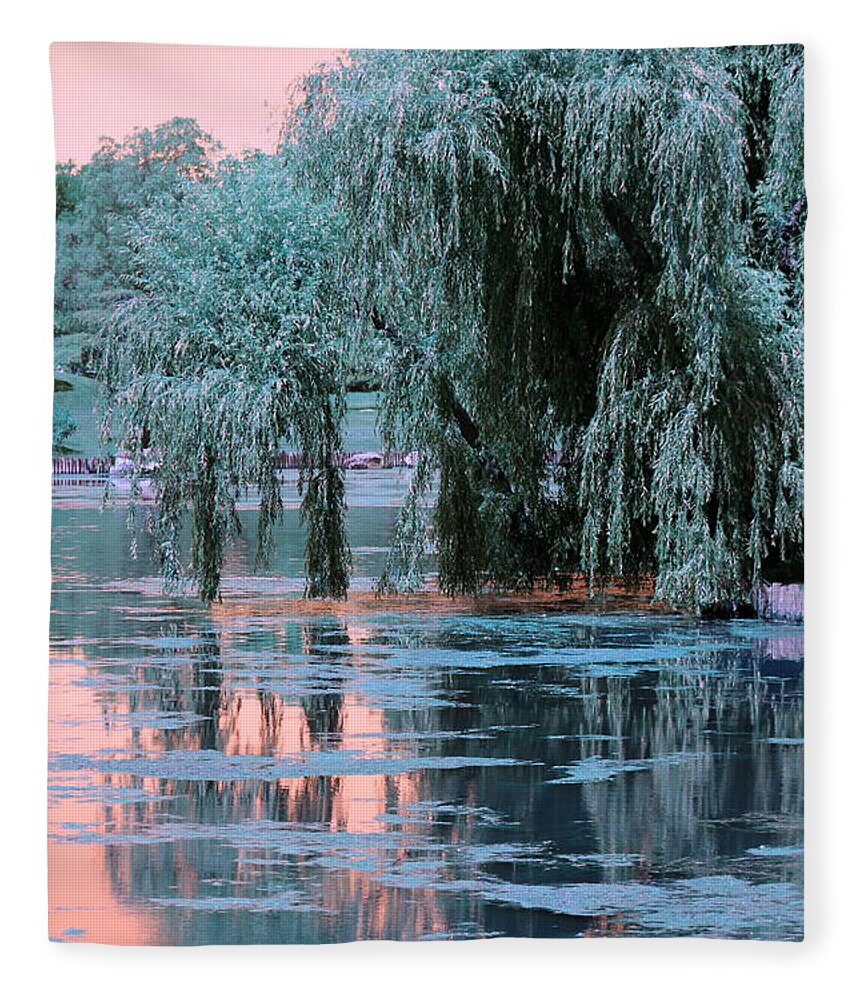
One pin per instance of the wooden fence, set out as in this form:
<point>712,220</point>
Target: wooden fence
<point>67,465</point>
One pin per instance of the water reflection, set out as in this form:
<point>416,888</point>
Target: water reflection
<point>250,774</point>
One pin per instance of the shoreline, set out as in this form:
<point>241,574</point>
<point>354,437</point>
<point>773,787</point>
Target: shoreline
<point>430,600</point>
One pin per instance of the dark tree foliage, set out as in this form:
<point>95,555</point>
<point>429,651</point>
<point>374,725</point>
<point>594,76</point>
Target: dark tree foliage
<point>68,188</point>
<point>590,256</point>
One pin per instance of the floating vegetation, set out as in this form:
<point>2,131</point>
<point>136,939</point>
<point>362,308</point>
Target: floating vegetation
<point>212,765</point>
<point>603,860</point>
<point>790,851</point>
<point>714,906</point>
<point>610,773</point>
<point>592,769</point>
<point>280,902</point>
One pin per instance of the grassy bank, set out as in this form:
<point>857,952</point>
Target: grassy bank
<point>80,396</point>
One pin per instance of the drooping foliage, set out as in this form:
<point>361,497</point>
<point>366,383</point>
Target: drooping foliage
<point>220,354</point>
<point>587,269</point>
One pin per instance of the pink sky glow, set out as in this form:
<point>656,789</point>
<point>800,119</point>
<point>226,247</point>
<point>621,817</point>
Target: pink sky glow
<point>110,88</point>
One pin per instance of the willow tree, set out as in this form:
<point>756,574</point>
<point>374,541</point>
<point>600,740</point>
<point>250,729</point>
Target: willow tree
<point>220,354</point>
<point>588,256</point>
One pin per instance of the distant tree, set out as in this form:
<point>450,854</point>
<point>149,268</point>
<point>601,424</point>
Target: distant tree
<point>97,202</point>
<point>64,427</point>
<point>220,351</point>
<point>68,184</point>
<point>597,253</point>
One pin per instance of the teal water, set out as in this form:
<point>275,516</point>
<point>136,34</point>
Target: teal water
<point>261,773</point>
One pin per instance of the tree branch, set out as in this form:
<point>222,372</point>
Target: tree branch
<point>792,227</point>
<point>467,427</point>
<point>622,226</point>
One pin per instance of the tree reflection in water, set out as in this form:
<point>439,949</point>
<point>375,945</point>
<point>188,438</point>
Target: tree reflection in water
<point>442,773</point>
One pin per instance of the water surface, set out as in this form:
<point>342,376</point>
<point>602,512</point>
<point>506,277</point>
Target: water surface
<point>261,773</point>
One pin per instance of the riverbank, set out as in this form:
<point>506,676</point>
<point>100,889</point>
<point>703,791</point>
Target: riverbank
<point>430,600</point>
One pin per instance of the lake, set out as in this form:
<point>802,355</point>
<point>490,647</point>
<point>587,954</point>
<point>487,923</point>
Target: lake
<point>270,770</point>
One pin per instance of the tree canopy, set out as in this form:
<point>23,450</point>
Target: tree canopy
<point>581,275</point>
<point>593,254</point>
<point>222,352</point>
<point>97,201</point>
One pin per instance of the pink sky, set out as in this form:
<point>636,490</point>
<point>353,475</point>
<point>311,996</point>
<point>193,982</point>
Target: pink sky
<point>109,88</point>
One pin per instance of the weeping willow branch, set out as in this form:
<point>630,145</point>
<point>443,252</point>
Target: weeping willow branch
<point>450,406</point>
<point>792,229</point>
<point>224,352</point>
<point>496,205</point>
<point>633,243</point>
